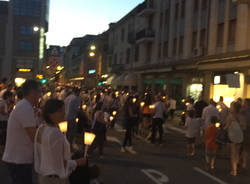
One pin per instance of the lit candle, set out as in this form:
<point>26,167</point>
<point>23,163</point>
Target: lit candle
<point>84,107</point>
<point>187,104</point>
<point>111,118</point>
<point>114,113</point>
<point>183,113</point>
<point>49,94</point>
<point>142,104</point>
<point>63,126</point>
<point>217,125</point>
<point>77,120</point>
<point>134,100</point>
<point>164,97</point>
<point>146,94</point>
<point>88,140</point>
<point>151,106</point>
<point>183,100</point>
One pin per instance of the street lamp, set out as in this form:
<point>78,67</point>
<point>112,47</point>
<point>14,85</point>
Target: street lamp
<point>36,28</point>
<point>91,54</point>
<point>92,47</point>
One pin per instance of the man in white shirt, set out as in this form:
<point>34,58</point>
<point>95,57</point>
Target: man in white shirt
<point>209,112</point>
<point>72,106</point>
<point>18,153</point>
<point>158,119</point>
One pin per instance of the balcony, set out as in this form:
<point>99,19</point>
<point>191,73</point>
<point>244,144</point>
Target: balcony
<point>147,9</point>
<point>145,36</point>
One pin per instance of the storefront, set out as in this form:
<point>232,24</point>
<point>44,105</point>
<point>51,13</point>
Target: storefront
<point>230,85</point>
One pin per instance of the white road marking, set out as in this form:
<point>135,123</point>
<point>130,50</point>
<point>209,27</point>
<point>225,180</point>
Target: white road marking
<point>113,139</point>
<point>161,179</point>
<point>209,175</point>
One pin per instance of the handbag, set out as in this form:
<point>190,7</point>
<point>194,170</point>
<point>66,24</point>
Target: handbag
<point>222,137</point>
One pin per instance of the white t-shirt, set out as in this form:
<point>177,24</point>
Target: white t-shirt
<point>193,127</point>
<point>51,154</point>
<point>207,113</point>
<point>159,110</point>
<point>19,148</point>
<point>172,104</point>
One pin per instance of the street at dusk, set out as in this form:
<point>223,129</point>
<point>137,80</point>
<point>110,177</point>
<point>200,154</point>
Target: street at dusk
<point>125,92</point>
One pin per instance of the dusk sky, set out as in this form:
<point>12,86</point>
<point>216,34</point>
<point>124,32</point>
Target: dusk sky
<point>75,18</point>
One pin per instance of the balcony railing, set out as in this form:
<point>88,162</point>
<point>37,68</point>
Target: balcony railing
<point>146,35</point>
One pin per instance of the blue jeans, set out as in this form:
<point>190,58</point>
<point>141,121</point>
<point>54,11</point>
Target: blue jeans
<point>20,173</point>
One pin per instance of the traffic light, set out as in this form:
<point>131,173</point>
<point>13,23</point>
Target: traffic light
<point>43,81</point>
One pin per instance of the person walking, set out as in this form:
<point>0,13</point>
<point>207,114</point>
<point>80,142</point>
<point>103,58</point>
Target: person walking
<point>236,123</point>
<point>158,119</point>
<point>208,112</point>
<point>19,149</point>
<point>246,143</point>
<point>99,128</point>
<point>129,121</point>
<point>172,107</point>
<point>52,154</point>
<point>193,128</point>
<point>211,146</point>
<point>72,106</point>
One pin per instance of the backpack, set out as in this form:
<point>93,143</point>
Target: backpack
<point>235,133</point>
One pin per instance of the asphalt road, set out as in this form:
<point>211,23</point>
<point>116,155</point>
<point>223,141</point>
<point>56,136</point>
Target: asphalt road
<point>155,164</point>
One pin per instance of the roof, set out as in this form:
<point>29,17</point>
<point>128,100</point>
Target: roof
<point>82,40</point>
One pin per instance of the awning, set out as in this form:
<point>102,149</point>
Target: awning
<point>110,79</point>
<point>119,80</point>
<point>130,79</point>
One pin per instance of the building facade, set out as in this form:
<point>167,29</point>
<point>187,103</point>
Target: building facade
<point>25,38</point>
<point>184,47</point>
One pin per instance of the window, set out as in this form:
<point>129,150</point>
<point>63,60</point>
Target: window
<point>220,35</point>
<point>203,38</point>
<point>26,30</point>
<point>121,58</point>
<point>204,4</point>
<point>196,5</point>
<point>176,11</point>
<point>115,59</point>
<point>231,35</point>
<point>183,8</point>
<point>161,19</point>
<point>149,48</point>
<point>165,52</point>
<point>194,39</point>
<point>159,50</point>
<point>137,52</point>
<point>27,7</point>
<point>174,47</point>
<point>181,46</point>
<point>122,35</point>
<point>26,46</point>
<point>127,55</point>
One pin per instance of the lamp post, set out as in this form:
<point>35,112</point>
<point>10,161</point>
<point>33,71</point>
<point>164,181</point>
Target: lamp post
<point>88,140</point>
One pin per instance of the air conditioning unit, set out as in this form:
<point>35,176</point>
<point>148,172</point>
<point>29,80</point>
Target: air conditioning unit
<point>199,51</point>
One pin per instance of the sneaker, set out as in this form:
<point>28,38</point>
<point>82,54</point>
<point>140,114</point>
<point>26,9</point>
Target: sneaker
<point>130,150</point>
<point>123,150</point>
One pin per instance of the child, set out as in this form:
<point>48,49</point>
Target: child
<point>193,127</point>
<point>211,146</point>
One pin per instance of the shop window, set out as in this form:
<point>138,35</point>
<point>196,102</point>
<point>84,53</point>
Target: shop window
<point>26,30</point>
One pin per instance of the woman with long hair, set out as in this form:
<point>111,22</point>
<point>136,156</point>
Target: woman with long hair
<point>53,161</point>
<point>235,125</point>
<point>130,117</point>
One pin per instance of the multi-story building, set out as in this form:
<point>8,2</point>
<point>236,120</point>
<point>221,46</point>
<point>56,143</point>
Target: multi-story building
<point>3,28</point>
<point>186,47</point>
<point>25,38</point>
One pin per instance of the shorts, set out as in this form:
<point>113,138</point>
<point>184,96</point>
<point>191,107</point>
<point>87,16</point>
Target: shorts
<point>210,153</point>
<point>190,140</point>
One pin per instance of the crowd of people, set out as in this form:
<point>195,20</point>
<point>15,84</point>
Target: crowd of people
<point>31,137</point>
